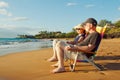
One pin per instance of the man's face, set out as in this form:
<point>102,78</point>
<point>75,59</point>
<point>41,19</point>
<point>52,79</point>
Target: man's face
<point>87,27</point>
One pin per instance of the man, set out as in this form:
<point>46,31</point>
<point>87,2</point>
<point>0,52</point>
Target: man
<point>90,43</point>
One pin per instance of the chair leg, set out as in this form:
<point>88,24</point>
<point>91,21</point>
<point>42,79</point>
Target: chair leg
<point>70,64</point>
<point>74,64</point>
<point>93,63</point>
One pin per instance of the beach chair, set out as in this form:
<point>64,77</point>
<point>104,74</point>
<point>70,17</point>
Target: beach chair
<point>72,63</point>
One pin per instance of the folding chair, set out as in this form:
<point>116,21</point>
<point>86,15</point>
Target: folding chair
<point>90,60</point>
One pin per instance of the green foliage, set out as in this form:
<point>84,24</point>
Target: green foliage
<point>57,34</point>
<point>107,30</point>
<point>104,22</point>
<point>62,35</point>
<point>46,34</point>
<point>117,24</point>
<point>112,30</point>
<point>112,33</point>
<point>25,36</point>
<point>71,34</point>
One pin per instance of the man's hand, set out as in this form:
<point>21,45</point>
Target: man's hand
<point>71,48</point>
<point>68,47</point>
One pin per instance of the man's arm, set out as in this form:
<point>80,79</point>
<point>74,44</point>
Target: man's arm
<point>86,49</point>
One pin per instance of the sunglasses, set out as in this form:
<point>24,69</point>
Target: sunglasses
<point>79,29</point>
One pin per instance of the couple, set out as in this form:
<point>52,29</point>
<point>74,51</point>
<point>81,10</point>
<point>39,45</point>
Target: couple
<point>90,43</point>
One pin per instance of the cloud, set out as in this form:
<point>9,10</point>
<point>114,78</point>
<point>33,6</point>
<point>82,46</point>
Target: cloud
<point>14,30</point>
<point>89,5</point>
<point>4,33</point>
<point>7,27</point>
<point>71,4</point>
<point>19,19</point>
<point>5,12</point>
<point>119,8</point>
<point>3,4</point>
<point>9,14</point>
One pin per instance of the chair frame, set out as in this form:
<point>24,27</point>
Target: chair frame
<point>90,60</point>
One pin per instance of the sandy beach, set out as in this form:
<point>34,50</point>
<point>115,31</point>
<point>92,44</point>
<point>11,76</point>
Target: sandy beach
<point>33,65</point>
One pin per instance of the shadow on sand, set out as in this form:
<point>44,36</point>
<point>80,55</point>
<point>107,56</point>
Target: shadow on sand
<point>107,58</point>
<point>114,65</point>
<point>106,65</point>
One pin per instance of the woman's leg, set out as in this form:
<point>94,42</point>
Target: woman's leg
<point>54,56</point>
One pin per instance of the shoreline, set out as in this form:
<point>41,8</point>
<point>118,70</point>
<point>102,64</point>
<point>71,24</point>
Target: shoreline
<point>27,51</point>
<point>21,49</point>
<point>13,45</point>
<point>33,65</point>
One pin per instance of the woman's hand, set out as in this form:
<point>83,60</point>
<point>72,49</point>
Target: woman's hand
<point>70,42</point>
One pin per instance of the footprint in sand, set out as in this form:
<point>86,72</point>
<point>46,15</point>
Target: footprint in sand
<point>109,53</point>
<point>102,73</point>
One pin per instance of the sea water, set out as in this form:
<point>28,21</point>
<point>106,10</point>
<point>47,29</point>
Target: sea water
<point>12,45</point>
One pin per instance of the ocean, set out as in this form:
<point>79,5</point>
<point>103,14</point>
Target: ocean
<point>12,45</point>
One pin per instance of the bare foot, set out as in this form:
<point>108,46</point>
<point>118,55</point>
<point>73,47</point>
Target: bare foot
<point>52,59</point>
<point>55,65</point>
<point>58,70</point>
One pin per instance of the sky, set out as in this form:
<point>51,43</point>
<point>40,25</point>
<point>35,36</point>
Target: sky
<point>18,17</point>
